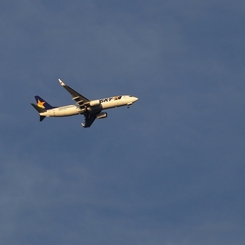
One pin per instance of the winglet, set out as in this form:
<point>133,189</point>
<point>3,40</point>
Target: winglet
<point>61,83</point>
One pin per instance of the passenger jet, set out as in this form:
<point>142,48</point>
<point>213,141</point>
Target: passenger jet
<point>91,109</point>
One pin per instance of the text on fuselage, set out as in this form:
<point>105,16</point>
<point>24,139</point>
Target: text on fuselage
<point>110,98</point>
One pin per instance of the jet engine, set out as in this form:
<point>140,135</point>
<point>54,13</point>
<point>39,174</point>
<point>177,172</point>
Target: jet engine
<point>94,103</point>
<point>101,115</point>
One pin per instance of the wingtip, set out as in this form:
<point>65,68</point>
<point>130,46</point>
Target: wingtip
<point>61,83</point>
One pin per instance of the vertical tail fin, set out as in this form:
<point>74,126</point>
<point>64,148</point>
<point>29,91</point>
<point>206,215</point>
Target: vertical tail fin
<point>41,103</point>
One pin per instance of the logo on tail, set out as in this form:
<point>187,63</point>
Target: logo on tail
<point>42,103</point>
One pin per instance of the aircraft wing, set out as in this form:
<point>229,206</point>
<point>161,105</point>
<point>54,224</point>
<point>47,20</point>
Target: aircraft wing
<point>89,119</point>
<point>80,99</point>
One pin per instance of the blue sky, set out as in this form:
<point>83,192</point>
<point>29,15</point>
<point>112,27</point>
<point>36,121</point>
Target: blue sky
<point>169,170</point>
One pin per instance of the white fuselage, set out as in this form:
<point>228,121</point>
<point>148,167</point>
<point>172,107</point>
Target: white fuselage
<point>107,103</point>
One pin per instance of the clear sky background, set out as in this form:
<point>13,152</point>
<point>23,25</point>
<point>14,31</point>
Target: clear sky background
<point>169,170</point>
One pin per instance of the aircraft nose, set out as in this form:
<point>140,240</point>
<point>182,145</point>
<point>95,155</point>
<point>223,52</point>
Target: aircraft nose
<point>135,99</point>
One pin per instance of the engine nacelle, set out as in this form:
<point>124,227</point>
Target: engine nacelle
<point>94,103</point>
<point>101,115</point>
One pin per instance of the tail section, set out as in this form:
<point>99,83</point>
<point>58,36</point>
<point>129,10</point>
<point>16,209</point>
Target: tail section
<point>41,106</point>
<point>42,103</point>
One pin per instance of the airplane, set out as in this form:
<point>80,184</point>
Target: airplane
<point>91,109</point>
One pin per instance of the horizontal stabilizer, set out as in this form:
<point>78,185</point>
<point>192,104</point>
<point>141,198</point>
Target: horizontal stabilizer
<point>40,110</point>
<point>41,118</point>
